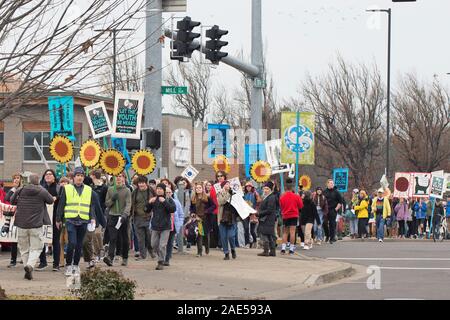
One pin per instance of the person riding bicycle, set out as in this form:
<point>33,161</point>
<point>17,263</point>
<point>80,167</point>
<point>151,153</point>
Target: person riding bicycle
<point>439,215</point>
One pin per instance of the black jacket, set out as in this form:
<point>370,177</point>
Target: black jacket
<point>268,214</point>
<point>309,212</point>
<point>101,191</point>
<point>334,197</point>
<point>31,212</point>
<point>161,218</point>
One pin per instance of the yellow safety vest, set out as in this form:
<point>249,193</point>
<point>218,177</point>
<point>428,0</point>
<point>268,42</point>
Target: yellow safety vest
<point>77,205</point>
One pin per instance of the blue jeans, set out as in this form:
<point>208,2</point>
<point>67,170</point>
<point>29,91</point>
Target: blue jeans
<point>380,227</point>
<point>227,235</point>
<point>353,226</point>
<point>76,235</point>
<point>319,230</point>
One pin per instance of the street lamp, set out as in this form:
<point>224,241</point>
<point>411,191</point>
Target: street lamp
<point>388,106</point>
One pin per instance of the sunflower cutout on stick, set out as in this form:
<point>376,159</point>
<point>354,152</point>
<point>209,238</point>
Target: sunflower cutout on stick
<point>112,161</point>
<point>305,181</point>
<point>90,153</point>
<point>261,171</point>
<point>143,162</point>
<point>221,163</point>
<point>61,149</point>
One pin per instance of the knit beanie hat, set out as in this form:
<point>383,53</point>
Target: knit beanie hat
<point>162,186</point>
<point>269,185</point>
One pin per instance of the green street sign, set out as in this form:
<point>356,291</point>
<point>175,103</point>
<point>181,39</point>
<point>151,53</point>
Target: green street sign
<point>173,90</point>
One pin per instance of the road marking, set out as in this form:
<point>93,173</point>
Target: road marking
<point>393,259</point>
<point>411,268</point>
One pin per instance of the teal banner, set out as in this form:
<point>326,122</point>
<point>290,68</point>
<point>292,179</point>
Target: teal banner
<point>60,110</point>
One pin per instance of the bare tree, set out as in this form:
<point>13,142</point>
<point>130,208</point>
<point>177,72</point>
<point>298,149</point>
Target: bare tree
<point>349,103</point>
<point>50,45</point>
<point>197,76</point>
<point>129,74</point>
<point>421,124</point>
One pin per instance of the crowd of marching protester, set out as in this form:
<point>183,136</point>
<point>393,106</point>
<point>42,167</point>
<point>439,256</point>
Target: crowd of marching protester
<point>99,218</point>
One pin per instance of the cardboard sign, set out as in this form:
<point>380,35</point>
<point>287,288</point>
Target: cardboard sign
<point>61,117</point>
<point>241,206</point>
<point>98,120</point>
<point>190,173</point>
<point>273,155</point>
<point>127,118</point>
<point>340,178</point>
<point>438,186</point>
<point>421,184</point>
<point>402,184</point>
<point>236,186</point>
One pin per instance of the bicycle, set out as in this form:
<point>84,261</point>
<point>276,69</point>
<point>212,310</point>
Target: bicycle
<point>440,232</point>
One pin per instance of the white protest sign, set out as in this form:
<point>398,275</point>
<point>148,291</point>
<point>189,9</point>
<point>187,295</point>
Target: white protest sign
<point>236,186</point>
<point>41,154</point>
<point>437,184</point>
<point>421,184</point>
<point>241,206</point>
<point>98,120</point>
<point>190,173</point>
<point>384,182</point>
<point>12,236</point>
<point>273,155</point>
<point>447,181</point>
<point>127,118</point>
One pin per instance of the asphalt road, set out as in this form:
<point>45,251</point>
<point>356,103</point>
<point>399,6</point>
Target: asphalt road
<point>409,269</point>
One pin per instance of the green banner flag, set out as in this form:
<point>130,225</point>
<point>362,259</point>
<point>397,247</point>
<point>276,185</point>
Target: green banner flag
<point>305,133</point>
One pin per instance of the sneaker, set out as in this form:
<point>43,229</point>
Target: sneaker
<point>12,264</point>
<point>28,272</point>
<point>160,266</point>
<point>55,268</point>
<point>69,271</point>
<point>124,262</point>
<point>291,252</point>
<point>76,270</point>
<point>41,267</point>
<point>91,264</point>
<point>227,256</point>
<point>380,240</point>
<point>166,264</point>
<point>319,242</point>
<point>233,254</point>
<point>302,244</point>
<point>283,251</point>
<point>306,248</point>
<point>137,254</point>
<point>108,261</point>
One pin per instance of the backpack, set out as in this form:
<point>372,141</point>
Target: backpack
<point>191,232</point>
<point>227,214</point>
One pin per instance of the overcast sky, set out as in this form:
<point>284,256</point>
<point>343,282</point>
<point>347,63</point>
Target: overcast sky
<point>304,36</point>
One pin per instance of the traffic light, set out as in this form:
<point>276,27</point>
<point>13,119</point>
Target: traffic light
<point>214,45</point>
<point>184,46</point>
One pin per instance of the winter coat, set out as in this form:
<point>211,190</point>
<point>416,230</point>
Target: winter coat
<point>361,210</point>
<point>402,211</point>
<point>208,213</point>
<point>31,212</point>
<point>101,189</point>
<point>123,207</point>
<point>333,197</point>
<point>321,201</point>
<point>268,215</point>
<point>178,215</point>
<point>386,207</point>
<point>185,199</point>
<point>420,210</point>
<point>250,197</point>
<point>309,213</point>
<point>161,218</point>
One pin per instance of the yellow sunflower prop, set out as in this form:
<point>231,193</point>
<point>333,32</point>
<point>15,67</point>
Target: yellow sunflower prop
<point>143,162</point>
<point>61,149</point>
<point>90,153</point>
<point>305,181</point>
<point>261,171</point>
<point>112,161</point>
<point>221,163</point>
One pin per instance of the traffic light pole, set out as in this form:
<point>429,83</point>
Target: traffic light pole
<point>153,75</point>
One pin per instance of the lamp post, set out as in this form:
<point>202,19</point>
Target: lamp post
<point>388,104</point>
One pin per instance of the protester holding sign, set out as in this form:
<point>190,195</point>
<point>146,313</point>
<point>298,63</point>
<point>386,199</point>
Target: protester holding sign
<point>227,219</point>
<point>221,176</point>
<point>17,183</point>
<point>31,215</point>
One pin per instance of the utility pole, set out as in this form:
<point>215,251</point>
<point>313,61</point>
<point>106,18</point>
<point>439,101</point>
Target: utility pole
<point>153,76</point>
<point>257,101</point>
<point>114,34</point>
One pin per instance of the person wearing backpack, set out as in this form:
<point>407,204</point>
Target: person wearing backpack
<point>227,220</point>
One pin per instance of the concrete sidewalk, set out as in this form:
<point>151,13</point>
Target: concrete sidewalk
<point>190,277</point>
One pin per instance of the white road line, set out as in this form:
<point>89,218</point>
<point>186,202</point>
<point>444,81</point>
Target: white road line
<point>411,268</point>
<point>393,259</point>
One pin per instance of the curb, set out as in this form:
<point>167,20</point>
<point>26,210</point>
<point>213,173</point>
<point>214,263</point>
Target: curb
<point>330,276</point>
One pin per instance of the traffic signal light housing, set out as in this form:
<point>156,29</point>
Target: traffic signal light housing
<point>183,46</point>
<point>214,45</point>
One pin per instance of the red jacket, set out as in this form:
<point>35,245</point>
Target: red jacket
<point>290,203</point>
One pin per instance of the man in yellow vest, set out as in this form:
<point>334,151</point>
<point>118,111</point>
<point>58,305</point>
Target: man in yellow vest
<point>77,206</point>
